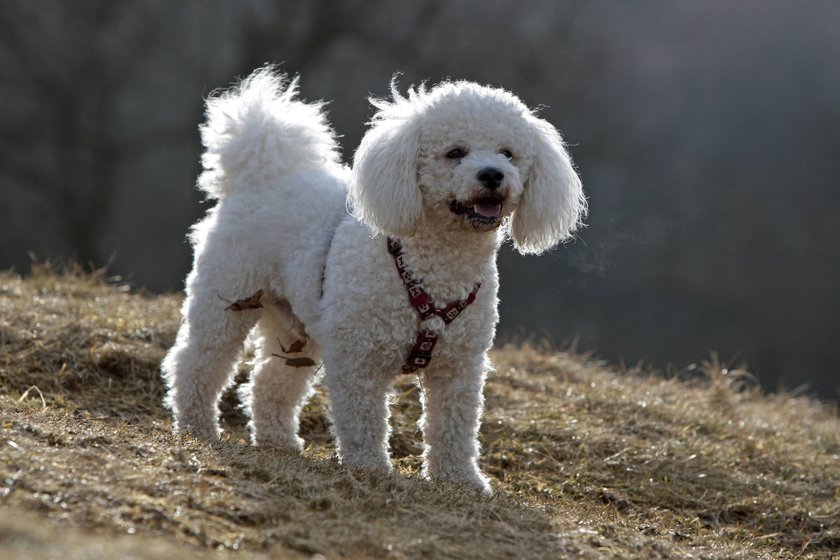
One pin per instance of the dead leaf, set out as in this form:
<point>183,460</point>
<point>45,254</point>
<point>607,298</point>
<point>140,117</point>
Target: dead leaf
<point>297,346</point>
<point>297,362</point>
<point>252,302</point>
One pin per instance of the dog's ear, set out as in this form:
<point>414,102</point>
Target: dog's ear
<point>552,204</point>
<point>384,191</point>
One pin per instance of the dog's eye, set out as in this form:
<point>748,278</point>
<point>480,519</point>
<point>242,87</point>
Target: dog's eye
<point>507,153</point>
<point>456,153</point>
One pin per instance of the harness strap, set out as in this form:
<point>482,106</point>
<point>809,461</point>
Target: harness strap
<point>421,353</point>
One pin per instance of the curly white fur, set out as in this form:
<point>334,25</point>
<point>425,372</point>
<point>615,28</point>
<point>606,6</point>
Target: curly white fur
<point>281,226</point>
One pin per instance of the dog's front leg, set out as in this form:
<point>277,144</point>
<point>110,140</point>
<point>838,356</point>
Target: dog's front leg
<point>360,417</point>
<point>452,407</point>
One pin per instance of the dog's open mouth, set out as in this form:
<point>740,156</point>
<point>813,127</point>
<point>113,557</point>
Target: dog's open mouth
<point>482,213</point>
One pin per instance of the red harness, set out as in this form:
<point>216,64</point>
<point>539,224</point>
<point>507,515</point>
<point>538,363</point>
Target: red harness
<point>421,353</point>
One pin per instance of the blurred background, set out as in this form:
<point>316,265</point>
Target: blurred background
<point>707,135</point>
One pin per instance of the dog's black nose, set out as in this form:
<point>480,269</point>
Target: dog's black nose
<point>490,177</point>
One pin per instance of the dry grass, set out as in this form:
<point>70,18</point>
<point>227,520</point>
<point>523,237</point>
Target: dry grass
<point>590,462</point>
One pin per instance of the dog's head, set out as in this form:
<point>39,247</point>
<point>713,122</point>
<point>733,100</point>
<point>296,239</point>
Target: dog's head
<point>468,158</point>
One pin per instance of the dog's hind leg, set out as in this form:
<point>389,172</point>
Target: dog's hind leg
<point>201,363</point>
<point>281,383</point>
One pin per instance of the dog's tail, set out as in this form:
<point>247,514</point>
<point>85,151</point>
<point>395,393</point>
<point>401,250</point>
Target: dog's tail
<point>258,132</point>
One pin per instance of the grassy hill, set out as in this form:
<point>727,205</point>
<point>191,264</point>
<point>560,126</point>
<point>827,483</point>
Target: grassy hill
<point>588,461</point>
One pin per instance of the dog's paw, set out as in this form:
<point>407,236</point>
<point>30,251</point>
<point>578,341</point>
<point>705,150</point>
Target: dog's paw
<point>280,442</point>
<point>204,431</point>
<point>477,481</point>
<point>481,483</point>
<point>472,478</point>
<point>366,462</point>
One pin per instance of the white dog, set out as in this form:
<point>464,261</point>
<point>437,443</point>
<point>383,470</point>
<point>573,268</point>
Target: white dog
<point>382,269</point>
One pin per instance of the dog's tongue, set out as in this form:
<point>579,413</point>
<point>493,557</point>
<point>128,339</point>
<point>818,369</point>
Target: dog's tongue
<point>488,208</point>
